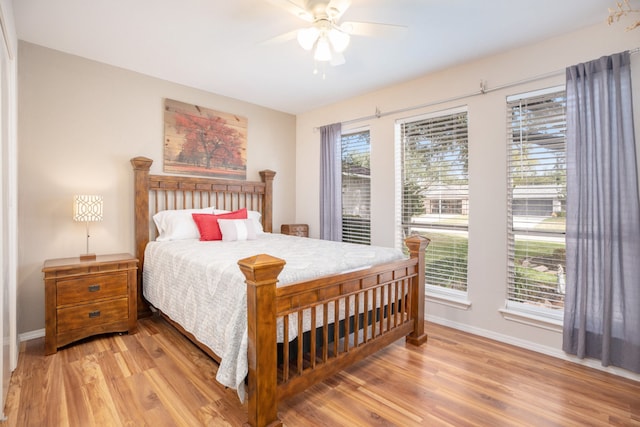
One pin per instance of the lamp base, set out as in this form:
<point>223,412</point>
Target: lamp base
<point>88,257</point>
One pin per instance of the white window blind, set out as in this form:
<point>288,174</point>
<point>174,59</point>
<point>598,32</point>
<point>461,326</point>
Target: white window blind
<point>536,204</point>
<point>435,192</point>
<point>356,188</point>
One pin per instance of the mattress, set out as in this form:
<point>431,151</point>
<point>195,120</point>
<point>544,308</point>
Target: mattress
<point>200,286</point>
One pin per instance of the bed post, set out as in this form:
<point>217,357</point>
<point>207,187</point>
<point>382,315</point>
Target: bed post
<point>267,210</point>
<point>261,272</point>
<point>141,166</point>
<point>417,245</point>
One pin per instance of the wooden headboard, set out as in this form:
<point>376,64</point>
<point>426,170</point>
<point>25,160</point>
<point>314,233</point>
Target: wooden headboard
<point>155,193</point>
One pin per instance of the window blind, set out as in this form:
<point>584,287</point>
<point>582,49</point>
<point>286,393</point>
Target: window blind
<point>536,203</point>
<point>435,192</point>
<point>356,188</point>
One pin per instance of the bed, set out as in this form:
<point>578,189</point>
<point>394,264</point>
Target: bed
<point>300,328</point>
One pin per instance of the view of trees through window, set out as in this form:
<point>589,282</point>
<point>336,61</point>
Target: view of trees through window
<point>435,192</point>
<point>356,188</point>
<point>537,198</point>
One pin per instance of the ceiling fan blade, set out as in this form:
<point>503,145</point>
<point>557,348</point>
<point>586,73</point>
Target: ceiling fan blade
<point>293,8</point>
<point>373,29</point>
<point>338,7</point>
<point>285,37</point>
<point>337,59</point>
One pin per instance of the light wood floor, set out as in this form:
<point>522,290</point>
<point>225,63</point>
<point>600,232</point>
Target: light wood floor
<point>158,378</point>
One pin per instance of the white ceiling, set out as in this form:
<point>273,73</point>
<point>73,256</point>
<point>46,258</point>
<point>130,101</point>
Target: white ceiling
<point>215,45</point>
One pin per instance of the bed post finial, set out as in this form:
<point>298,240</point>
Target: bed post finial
<point>261,273</point>
<point>417,245</point>
<point>141,166</point>
<point>267,210</point>
<point>141,163</point>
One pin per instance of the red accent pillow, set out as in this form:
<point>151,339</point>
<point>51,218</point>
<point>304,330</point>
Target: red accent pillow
<point>208,223</point>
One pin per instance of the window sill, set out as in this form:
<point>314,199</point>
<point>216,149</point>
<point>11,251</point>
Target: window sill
<point>449,298</point>
<point>531,319</point>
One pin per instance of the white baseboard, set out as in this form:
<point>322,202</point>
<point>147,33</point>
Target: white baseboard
<point>549,351</point>
<point>39,333</point>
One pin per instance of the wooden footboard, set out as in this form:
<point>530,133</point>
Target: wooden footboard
<point>349,316</point>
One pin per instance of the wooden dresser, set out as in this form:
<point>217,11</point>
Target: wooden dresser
<point>85,298</point>
<point>301,230</point>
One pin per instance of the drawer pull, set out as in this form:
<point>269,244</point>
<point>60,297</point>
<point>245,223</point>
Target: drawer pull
<point>94,288</point>
<point>94,314</point>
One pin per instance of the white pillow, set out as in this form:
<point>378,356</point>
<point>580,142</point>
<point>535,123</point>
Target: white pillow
<point>237,229</point>
<point>178,224</point>
<point>254,215</point>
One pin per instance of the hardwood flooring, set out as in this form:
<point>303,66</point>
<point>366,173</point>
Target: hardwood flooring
<point>158,378</point>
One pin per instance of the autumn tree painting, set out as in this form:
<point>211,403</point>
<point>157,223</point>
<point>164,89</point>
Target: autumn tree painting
<point>200,141</point>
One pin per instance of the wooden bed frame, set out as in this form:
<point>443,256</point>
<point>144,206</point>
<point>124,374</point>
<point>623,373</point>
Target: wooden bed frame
<point>277,371</point>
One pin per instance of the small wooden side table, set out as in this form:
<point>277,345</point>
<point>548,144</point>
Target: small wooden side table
<point>301,230</point>
<point>85,298</point>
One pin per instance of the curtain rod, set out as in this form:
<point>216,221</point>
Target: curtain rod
<point>483,90</point>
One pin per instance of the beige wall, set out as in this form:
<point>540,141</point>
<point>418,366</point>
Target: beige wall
<point>487,163</point>
<point>79,124</point>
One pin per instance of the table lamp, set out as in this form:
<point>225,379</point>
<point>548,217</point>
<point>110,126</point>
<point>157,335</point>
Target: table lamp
<point>88,209</point>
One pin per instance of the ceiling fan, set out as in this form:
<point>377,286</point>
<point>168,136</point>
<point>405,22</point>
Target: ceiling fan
<point>326,36</point>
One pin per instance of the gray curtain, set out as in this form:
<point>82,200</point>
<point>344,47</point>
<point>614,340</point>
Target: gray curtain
<point>331,182</point>
<point>602,303</point>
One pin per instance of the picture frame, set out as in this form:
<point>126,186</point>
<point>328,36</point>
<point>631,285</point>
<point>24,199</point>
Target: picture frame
<point>204,142</point>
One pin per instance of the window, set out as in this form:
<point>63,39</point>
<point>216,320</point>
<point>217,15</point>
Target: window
<point>356,188</point>
<point>446,206</point>
<point>434,191</point>
<point>536,205</point>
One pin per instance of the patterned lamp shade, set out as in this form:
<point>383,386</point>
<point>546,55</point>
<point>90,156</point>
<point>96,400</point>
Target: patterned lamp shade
<point>87,208</point>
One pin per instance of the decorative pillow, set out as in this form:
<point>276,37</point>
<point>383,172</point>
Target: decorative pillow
<point>178,224</point>
<point>255,215</point>
<point>237,229</point>
<point>208,223</point>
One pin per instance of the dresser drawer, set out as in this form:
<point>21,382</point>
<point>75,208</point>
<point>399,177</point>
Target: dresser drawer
<point>89,315</point>
<point>91,287</point>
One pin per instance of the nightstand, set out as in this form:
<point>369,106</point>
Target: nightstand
<point>301,230</point>
<point>85,298</point>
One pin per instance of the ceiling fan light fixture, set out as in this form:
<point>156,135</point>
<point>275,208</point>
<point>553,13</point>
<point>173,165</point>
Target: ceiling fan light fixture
<point>307,37</point>
<point>323,50</point>
<point>339,40</point>
<point>325,35</point>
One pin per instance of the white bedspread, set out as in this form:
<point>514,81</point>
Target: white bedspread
<point>200,286</point>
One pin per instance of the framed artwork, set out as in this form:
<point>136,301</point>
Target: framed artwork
<point>200,141</point>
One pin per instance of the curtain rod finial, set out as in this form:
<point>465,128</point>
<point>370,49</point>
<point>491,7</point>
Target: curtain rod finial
<point>483,86</point>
